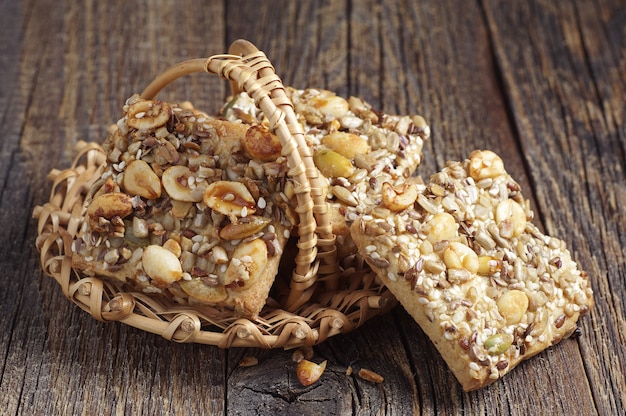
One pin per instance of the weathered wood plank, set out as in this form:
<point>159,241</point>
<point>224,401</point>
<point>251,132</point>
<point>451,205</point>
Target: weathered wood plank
<point>567,98</point>
<point>71,87</point>
<point>541,83</point>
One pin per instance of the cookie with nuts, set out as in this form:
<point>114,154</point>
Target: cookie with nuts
<point>357,149</point>
<point>464,259</point>
<point>187,209</point>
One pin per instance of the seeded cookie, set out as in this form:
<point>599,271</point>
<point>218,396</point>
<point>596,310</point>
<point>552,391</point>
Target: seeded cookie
<point>354,147</point>
<point>184,211</point>
<point>461,255</point>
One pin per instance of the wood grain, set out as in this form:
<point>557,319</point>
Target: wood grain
<point>542,83</point>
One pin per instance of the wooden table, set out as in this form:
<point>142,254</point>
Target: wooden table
<point>543,83</point>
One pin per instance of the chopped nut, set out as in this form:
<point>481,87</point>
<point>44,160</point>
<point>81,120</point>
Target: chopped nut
<point>261,144</point>
<point>229,198</point>
<point>308,372</point>
<point>114,204</point>
<point>140,179</point>
<point>176,181</point>
<point>442,227</point>
<point>248,262</point>
<point>346,144</point>
<point>488,265</point>
<point>369,375</point>
<point>460,256</point>
<point>511,218</point>
<point>512,305</point>
<point>148,114</point>
<point>173,246</point>
<point>485,164</point>
<point>400,198</point>
<point>330,105</point>
<point>161,265</point>
<point>241,229</point>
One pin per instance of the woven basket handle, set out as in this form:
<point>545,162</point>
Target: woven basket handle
<point>249,70</point>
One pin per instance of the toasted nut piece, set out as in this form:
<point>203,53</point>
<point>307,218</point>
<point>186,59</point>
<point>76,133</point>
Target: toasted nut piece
<point>248,362</point>
<point>369,375</point>
<point>219,255</point>
<point>330,105</point>
<point>241,229</point>
<point>247,264</point>
<point>261,144</point>
<point>202,291</point>
<point>460,256</point>
<point>148,114</point>
<point>166,154</point>
<point>173,246</point>
<point>485,164</point>
<point>140,179</point>
<point>513,305</point>
<point>398,199</point>
<point>161,265</point>
<point>176,183</point>
<point>180,209</point>
<point>498,343</point>
<point>442,227</point>
<point>308,372</point>
<point>332,164</point>
<point>140,228</point>
<point>113,204</point>
<point>511,218</point>
<point>229,198</point>
<point>488,265</point>
<point>346,144</point>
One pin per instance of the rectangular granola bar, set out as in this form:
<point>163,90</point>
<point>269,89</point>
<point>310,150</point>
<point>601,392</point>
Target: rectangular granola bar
<point>461,255</point>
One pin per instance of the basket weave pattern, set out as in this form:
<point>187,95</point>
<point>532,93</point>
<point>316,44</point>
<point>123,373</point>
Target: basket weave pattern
<point>324,299</point>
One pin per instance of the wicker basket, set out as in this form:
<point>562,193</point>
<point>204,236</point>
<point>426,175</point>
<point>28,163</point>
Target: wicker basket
<point>323,299</point>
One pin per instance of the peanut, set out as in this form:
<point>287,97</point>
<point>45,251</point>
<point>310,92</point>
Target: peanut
<point>140,179</point>
<point>485,164</point>
<point>161,265</point>
<point>513,305</point>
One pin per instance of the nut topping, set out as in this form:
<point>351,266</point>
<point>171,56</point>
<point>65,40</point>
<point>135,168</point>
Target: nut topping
<point>140,179</point>
<point>148,114</point>
<point>346,144</point>
<point>399,198</point>
<point>179,183</point>
<point>247,264</point>
<point>242,229</point>
<point>229,198</point>
<point>108,206</point>
<point>485,164</point>
<point>511,218</point>
<point>513,305</point>
<point>261,144</point>
<point>442,227</point>
<point>332,164</point>
<point>161,265</point>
